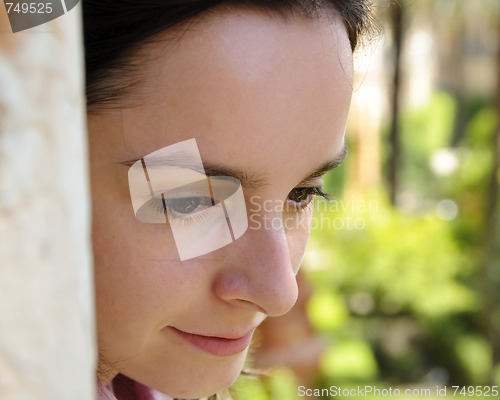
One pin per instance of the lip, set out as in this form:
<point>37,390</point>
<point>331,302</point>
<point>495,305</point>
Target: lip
<point>214,345</point>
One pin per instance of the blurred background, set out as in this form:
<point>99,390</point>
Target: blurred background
<point>400,284</point>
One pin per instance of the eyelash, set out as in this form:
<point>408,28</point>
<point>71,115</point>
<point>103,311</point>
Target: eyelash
<point>158,205</point>
<point>309,201</point>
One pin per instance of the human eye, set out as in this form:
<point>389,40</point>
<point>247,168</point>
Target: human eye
<point>182,207</point>
<point>185,208</point>
<point>197,202</point>
<point>302,197</point>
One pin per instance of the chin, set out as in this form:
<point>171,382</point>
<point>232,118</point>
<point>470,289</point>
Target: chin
<point>202,380</point>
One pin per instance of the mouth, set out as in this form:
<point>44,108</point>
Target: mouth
<point>214,345</point>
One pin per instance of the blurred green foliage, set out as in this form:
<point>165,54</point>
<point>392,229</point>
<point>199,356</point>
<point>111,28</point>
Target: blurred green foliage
<point>409,283</point>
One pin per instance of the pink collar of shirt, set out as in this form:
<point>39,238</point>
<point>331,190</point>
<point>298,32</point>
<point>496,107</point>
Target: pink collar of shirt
<point>137,391</point>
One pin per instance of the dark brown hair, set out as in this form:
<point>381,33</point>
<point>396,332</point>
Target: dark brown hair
<point>115,30</point>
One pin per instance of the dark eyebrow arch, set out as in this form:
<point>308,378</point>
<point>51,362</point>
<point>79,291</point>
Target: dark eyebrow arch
<point>330,165</point>
<point>247,181</point>
<point>184,161</point>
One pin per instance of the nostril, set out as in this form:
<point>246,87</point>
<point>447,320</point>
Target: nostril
<point>249,304</point>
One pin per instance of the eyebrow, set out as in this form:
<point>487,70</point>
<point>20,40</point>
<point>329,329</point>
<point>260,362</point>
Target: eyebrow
<point>247,180</point>
<point>329,166</point>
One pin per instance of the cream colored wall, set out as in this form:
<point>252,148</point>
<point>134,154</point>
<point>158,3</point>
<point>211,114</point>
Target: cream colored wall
<point>47,348</point>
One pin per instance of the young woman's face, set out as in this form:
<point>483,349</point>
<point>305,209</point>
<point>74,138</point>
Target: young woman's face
<point>264,98</point>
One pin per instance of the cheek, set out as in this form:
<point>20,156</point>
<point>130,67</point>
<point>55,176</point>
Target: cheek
<point>130,260</point>
<point>118,236</point>
<point>297,229</point>
<point>130,256</point>
<point>140,287</point>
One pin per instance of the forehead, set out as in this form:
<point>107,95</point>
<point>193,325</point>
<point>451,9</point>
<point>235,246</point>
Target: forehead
<point>242,83</point>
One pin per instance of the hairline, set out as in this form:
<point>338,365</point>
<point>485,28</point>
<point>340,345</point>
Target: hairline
<point>130,64</point>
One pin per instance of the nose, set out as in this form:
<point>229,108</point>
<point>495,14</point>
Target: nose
<point>258,272</point>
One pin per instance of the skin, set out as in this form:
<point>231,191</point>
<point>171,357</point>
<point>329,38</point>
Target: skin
<point>260,95</point>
